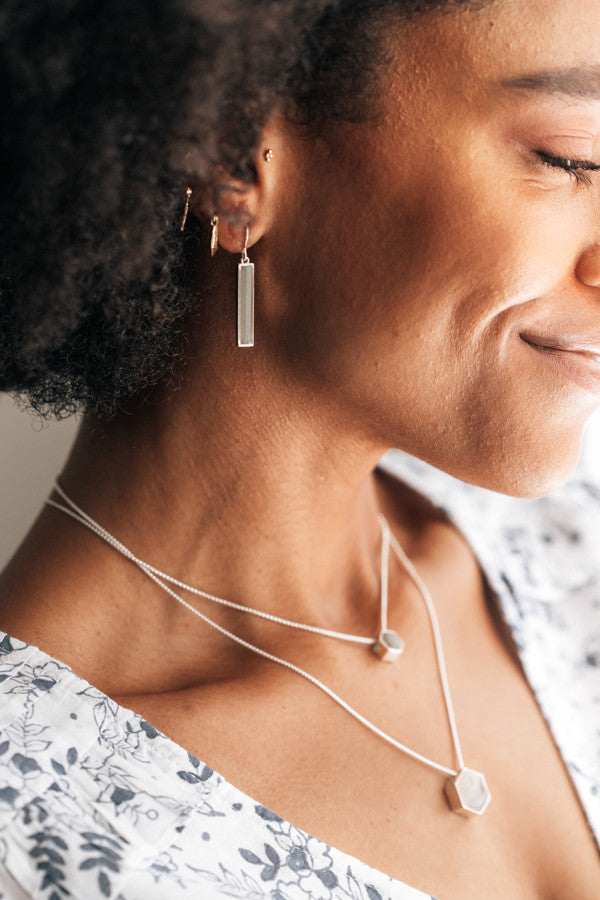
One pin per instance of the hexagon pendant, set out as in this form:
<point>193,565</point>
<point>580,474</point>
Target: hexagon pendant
<point>388,646</point>
<point>467,793</point>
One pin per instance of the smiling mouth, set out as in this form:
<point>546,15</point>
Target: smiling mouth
<point>577,360</point>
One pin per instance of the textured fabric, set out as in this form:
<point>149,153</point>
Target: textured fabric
<point>95,802</point>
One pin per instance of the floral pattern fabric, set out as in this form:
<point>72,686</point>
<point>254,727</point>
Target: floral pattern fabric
<point>95,802</point>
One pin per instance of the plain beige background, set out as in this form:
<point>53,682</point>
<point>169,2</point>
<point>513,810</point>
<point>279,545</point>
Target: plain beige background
<point>32,452</point>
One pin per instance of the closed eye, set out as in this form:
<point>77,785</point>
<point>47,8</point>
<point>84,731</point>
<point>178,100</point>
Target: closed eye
<point>575,167</point>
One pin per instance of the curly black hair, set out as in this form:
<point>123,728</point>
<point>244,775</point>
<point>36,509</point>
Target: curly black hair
<point>96,95</point>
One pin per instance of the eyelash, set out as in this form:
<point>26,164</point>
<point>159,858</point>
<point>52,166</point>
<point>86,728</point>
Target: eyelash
<point>575,167</point>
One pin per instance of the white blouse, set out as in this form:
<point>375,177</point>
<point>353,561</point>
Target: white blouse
<point>95,802</point>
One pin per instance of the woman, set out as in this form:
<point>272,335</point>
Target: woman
<point>416,185</point>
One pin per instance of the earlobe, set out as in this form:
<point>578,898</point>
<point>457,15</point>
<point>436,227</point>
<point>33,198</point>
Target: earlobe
<point>236,205</point>
<point>234,222</point>
<point>242,205</point>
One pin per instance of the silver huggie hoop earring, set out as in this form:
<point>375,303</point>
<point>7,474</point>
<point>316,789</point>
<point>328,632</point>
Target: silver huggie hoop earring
<point>245,297</point>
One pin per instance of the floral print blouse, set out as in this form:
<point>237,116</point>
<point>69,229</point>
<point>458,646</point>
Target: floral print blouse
<point>95,802</point>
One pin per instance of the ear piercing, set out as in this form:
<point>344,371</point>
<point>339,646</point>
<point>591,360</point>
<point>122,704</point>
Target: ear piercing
<point>214,234</point>
<point>188,194</point>
<point>245,279</point>
<point>267,156</point>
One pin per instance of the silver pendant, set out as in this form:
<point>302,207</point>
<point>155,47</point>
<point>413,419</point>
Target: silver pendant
<point>388,646</point>
<point>245,310</point>
<point>467,793</point>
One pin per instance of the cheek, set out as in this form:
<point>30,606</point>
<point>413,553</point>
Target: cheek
<point>465,247</point>
<point>474,265</point>
<point>389,281</point>
<point>404,306</point>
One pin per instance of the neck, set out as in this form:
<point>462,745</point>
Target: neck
<point>242,489</point>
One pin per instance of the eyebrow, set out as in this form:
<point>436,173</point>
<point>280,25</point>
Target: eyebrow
<point>581,81</point>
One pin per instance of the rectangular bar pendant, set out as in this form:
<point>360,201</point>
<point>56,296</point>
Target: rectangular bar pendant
<point>245,310</point>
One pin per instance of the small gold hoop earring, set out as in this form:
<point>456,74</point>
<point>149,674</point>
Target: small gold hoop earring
<point>214,234</point>
<point>188,194</point>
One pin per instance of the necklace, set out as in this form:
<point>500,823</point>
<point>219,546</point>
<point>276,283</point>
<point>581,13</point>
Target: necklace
<point>465,789</point>
<point>387,646</point>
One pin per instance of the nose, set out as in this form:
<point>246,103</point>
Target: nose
<point>588,265</point>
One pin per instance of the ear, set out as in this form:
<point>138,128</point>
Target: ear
<point>240,204</point>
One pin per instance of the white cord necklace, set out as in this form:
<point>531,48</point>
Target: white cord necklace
<point>466,789</point>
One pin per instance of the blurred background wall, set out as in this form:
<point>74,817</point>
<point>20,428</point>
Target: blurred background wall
<point>32,453</point>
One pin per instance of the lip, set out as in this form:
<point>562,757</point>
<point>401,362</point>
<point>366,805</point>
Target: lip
<point>576,358</point>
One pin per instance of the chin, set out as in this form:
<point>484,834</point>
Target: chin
<point>526,465</point>
<point>528,484</point>
<point>526,475</point>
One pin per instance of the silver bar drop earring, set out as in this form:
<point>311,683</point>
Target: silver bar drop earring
<point>245,296</point>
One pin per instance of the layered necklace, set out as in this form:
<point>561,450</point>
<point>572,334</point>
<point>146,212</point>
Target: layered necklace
<point>465,789</point>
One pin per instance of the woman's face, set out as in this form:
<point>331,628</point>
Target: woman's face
<point>441,270</point>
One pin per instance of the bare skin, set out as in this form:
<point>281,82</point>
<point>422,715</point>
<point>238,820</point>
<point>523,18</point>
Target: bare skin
<point>400,264</point>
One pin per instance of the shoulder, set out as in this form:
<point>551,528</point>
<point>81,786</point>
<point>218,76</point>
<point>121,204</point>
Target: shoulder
<point>91,794</point>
